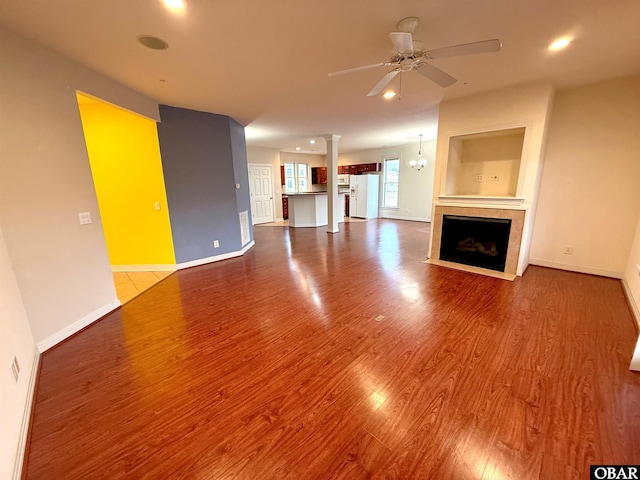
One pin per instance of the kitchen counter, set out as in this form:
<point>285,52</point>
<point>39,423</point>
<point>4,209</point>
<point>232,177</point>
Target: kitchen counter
<point>310,209</point>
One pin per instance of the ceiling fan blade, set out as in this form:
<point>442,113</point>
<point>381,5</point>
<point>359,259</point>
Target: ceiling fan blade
<point>357,69</point>
<point>435,74</point>
<point>484,46</point>
<point>403,41</point>
<point>383,83</point>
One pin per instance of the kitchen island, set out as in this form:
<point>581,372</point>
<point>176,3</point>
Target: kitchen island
<point>311,209</point>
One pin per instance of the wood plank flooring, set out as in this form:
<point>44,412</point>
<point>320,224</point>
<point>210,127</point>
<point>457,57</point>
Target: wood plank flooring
<point>319,356</point>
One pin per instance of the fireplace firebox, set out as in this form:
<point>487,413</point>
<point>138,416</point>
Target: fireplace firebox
<point>477,241</point>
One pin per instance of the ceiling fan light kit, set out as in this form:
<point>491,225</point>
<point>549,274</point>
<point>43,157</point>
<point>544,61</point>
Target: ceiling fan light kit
<point>409,55</point>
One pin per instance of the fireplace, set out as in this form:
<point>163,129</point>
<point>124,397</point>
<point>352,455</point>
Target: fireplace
<point>477,241</point>
<point>510,219</point>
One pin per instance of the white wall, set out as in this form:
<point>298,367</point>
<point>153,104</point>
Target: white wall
<point>270,156</point>
<point>590,191</point>
<point>15,341</point>
<point>415,187</point>
<point>61,267</point>
<point>489,156</point>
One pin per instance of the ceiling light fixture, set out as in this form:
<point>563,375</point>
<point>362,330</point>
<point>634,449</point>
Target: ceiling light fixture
<point>559,44</point>
<point>389,94</point>
<point>152,42</point>
<point>420,163</point>
<point>297,149</point>
<point>174,4</point>
<point>312,141</point>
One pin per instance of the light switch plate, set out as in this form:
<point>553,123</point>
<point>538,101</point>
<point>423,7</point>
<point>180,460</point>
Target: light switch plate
<point>85,218</point>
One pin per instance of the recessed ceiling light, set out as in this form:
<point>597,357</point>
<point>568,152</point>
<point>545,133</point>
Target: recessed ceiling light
<point>174,4</point>
<point>312,141</point>
<point>298,149</point>
<point>389,94</point>
<point>559,44</point>
<point>152,42</point>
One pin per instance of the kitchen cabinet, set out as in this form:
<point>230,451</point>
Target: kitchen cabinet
<point>285,207</point>
<point>346,205</point>
<point>319,175</point>
<point>282,181</point>
<point>359,169</point>
<point>373,167</point>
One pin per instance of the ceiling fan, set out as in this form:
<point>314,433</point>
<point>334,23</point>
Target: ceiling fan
<point>409,54</point>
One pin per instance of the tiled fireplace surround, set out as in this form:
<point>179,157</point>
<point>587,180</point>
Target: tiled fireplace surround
<point>515,236</point>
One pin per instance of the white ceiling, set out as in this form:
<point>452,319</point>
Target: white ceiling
<point>265,63</point>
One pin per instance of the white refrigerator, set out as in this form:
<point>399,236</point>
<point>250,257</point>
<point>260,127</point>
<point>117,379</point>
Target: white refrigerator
<point>363,196</point>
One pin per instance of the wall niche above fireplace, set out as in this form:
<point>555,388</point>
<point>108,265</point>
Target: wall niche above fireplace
<point>486,164</point>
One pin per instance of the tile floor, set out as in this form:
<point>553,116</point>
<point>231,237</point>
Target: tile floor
<point>131,284</point>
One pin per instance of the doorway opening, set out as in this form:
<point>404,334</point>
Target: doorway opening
<point>124,156</point>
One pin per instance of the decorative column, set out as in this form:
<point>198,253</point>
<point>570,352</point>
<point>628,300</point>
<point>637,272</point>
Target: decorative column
<point>332,183</point>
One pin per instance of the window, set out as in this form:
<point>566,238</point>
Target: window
<point>303,181</point>
<point>296,177</point>
<point>391,176</point>
<point>289,177</point>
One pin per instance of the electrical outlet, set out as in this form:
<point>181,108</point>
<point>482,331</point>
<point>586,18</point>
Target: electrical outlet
<point>495,178</point>
<point>568,249</point>
<point>15,369</point>
<point>479,178</point>
<point>216,244</point>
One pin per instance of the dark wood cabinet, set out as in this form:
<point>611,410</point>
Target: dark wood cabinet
<point>346,205</point>
<point>359,168</point>
<point>285,207</point>
<point>282,182</point>
<point>319,175</point>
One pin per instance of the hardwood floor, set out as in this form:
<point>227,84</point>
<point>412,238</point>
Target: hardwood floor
<point>344,356</point>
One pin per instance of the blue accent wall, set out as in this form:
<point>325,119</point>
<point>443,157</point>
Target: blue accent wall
<point>200,172</point>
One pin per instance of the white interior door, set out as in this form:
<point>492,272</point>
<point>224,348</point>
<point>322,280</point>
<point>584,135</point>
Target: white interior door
<point>261,191</point>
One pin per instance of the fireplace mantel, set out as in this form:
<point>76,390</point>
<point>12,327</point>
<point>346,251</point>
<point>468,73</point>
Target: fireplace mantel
<point>504,202</point>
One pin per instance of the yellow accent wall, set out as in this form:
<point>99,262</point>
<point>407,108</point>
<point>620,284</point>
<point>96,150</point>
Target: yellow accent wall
<point>127,172</point>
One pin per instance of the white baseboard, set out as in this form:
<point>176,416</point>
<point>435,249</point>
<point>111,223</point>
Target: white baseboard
<point>635,310</point>
<point>216,258</point>
<point>576,268</point>
<point>26,417</point>
<point>400,217</point>
<point>76,326</point>
<point>169,267</point>
<point>87,320</point>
